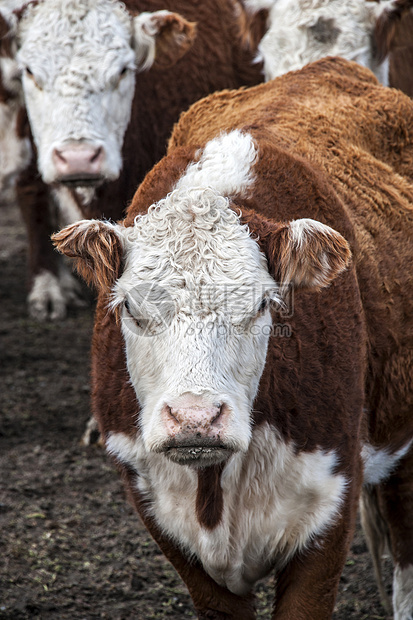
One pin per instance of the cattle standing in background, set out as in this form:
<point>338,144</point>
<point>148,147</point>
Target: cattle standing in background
<point>302,31</point>
<point>91,71</point>
<point>15,150</point>
<point>244,447</point>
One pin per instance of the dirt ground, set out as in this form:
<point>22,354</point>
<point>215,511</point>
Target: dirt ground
<point>70,545</point>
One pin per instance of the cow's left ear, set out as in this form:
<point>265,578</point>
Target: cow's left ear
<point>161,38</point>
<point>304,252</point>
<point>97,248</point>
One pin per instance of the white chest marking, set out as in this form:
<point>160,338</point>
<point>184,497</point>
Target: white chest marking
<point>275,501</point>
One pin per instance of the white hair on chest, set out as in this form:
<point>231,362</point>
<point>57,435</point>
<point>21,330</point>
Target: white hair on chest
<point>275,502</point>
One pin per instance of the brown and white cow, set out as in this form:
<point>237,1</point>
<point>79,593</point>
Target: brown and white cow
<point>245,427</point>
<point>103,83</point>
<point>372,33</point>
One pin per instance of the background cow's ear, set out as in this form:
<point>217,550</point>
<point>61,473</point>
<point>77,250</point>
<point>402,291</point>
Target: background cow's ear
<point>162,38</point>
<point>302,252</point>
<point>97,249</point>
<point>7,33</point>
<point>388,33</point>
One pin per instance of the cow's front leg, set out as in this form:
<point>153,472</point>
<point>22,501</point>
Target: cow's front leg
<point>307,588</point>
<point>52,287</point>
<point>45,297</point>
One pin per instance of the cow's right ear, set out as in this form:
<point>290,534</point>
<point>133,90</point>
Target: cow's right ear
<point>97,248</point>
<point>162,38</point>
<point>389,31</point>
<point>303,252</point>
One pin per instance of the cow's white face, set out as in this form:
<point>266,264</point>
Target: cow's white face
<point>302,31</point>
<point>78,60</point>
<point>78,71</point>
<point>196,322</point>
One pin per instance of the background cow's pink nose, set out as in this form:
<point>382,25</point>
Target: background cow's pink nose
<point>81,159</point>
<point>195,421</point>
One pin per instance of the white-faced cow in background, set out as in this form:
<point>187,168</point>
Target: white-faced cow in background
<point>245,446</point>
<point>103,83</point>
<point>302,31</point>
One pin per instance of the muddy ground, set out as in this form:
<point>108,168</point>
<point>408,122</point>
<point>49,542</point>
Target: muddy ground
<point>70,545</point>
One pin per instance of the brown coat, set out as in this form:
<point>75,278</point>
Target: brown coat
<point>337,147</point>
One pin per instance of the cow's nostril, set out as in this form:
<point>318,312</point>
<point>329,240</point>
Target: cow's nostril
<point>59,155</point>
<point>215,418</point>
<point>97,154</point>
<point>169,412</point>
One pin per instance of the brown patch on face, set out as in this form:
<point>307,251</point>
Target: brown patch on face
<point>209,497</point>
<point>325,30</point>
<point>21,11</point>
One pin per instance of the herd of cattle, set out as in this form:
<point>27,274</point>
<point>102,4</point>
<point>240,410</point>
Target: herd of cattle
<point>205,164</point>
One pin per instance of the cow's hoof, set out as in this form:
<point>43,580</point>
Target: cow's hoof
<point>91,436</point>
<point>46,299</point>
<point>50,295</point>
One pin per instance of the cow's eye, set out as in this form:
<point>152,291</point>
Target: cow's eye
<point>30,74</point>
<point>127,307</point>
<point>117,78</point>
<point>263,305</point>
